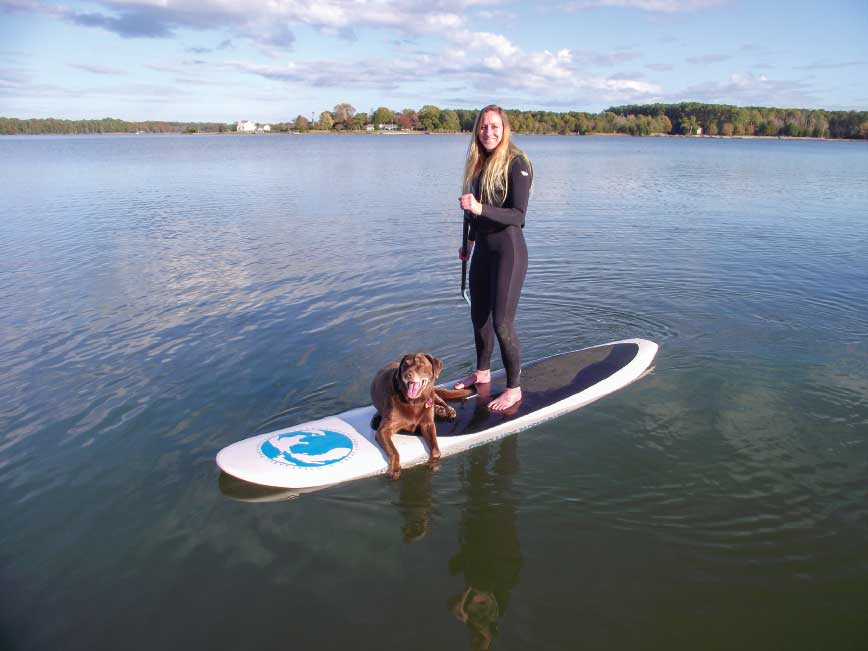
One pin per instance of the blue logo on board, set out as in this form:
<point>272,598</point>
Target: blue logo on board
<point>307,448</point>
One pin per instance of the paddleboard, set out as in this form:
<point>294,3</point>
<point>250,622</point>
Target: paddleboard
<point>341,448</point>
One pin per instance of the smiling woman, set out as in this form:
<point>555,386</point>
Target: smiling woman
<point>497,183</point>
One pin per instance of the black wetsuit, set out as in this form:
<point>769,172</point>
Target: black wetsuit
<point>497,272</point>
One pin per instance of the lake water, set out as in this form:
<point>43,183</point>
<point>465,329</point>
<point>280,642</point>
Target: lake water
<point>164,296</point>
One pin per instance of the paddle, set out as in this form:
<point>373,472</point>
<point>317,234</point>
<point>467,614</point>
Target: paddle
<point>464,261</point>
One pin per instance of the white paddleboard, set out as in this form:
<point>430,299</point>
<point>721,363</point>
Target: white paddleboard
<point>341,448</point>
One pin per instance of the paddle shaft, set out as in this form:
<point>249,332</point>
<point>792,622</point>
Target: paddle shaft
<point>464,256</point>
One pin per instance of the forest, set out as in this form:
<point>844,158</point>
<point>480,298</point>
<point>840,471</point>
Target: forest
<point>14,126</point>
<point>685,118</point>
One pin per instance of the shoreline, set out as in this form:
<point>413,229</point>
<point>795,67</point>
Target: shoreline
<point>432,133</point>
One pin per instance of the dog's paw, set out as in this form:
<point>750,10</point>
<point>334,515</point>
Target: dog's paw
<point>446,413</point>
<point>394,470</point>
<point>434,460</point>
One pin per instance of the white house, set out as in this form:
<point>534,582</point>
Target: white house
<point>246,126</point>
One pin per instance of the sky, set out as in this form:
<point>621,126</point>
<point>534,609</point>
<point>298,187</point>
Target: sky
<point>272,60</point>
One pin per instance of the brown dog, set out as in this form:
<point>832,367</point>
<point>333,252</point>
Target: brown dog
<point>406,400</point>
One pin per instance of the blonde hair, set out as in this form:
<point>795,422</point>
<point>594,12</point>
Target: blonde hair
<point>491,169</point>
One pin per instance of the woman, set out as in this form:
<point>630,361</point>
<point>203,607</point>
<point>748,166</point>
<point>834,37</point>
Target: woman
<point>497,183</point>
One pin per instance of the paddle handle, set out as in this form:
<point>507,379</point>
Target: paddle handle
<point>464,256</point>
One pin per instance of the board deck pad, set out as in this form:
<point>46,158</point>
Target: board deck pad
<point>543,383</point>
<point>341,448</point>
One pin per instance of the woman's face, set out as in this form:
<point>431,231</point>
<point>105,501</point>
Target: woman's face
<point>490,130</point>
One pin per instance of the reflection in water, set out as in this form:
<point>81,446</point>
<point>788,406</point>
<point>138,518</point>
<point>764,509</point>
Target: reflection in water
<point>243,491</point>
<point>415,502</point>
<point>489,557</point>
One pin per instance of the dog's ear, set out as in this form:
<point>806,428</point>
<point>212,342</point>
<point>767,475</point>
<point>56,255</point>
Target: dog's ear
<point>436,364</point>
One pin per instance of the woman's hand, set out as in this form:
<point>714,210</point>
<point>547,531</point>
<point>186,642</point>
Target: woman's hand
<point>469,202</point>
<point>464,254</point>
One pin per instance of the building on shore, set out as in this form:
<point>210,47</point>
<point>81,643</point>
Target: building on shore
<point>246,126</point>
<point>381,127</point>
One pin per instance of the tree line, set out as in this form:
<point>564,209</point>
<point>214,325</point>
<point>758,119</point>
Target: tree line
<point>431,118</point>
<point>726,120</point>
<point>685,118</point>
<point>14,126</point>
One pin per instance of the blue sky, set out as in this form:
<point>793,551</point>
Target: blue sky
<point>269,61</point>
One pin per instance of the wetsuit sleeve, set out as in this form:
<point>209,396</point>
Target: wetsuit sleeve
<point>514,208</point>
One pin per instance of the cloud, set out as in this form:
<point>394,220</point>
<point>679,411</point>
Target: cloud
<point>21,89</point>
<point>747,89</point>
<point>495,65</point>
<point>265,22</point>
<point>331,74</point>
<point>138,19</point>
<point>192,81</point>
<point>500,45</point>
<point>657,6</point>
<point>181,68</point>
<point>98,70</point>
<point>831,66</point>
<point>438,22</point>
<point>491,62</point>
<point>707,59</point>
<point>484,64</point>
<point>660,67</point>
<point>13,77</point>
<point>496,15</point>
<point>174,69</point>
<point>136,23</point>
<point>15,90</point>
<point>624,76</point>
<point>612,59</point>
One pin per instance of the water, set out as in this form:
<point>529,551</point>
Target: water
<point>164,296</point>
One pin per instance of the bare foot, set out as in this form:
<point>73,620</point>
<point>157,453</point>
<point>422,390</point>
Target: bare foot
<point>477,377</point>
<point>506,399</point>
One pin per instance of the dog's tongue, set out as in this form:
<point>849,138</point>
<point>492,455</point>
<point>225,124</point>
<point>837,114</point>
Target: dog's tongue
<point>414,389</point>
